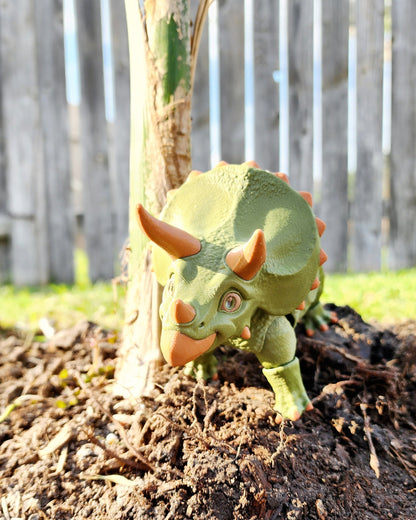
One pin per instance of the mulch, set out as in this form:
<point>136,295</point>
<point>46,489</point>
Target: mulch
<point>71,449</point>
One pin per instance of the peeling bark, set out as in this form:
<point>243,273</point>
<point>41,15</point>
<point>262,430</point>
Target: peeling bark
<point>160,159</point>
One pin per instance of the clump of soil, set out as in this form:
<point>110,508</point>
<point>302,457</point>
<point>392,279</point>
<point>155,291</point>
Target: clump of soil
<point>72,450</point>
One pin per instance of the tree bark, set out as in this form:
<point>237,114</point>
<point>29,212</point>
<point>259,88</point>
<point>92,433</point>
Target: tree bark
<point>160,159</point>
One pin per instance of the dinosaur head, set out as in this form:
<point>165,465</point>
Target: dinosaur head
<point>206,299</point>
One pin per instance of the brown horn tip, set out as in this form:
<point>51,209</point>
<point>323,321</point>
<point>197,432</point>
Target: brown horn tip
<point>316,284</point>
<point>193,174</point>
<point>320,224</point>
<point>307,196</point>
<point>282,176</point>
<point>246,261</point>
<point>221,163</point>
<point>176,242</point>
<point>252,164</point>
<point>323,257</point>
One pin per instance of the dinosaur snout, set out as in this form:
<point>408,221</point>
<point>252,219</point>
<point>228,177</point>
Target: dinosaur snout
<point>181,312</point>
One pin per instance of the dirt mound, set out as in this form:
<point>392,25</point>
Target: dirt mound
<point>71,450</point>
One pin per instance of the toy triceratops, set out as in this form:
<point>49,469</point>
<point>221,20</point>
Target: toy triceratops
<point>238,252</point>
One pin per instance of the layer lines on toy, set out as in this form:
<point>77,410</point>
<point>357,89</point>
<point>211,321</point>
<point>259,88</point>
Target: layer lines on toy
<point>238,253</point>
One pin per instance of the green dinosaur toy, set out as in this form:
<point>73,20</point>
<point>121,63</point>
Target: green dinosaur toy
<point>238,252</point>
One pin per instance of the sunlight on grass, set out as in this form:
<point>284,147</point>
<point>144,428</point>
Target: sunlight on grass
<point>63,305</point>
<point>386,297</point>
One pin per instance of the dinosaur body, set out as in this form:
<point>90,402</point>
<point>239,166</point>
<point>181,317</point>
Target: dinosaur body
<point>238,252</point>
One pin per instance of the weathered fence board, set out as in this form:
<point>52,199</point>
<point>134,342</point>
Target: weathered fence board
<point>97,197</point>
<point>300,33</point>
<point>334,207</point>
<point>231,44</point>
<point>403,136</point>
<point>368,203</point>
<point>23,143</point>
<point>121,126</point>
<point>36,187</point>
<point>4,217</point>
<point>54,124</point>
<point>200,139</point>
<point>266,36</point>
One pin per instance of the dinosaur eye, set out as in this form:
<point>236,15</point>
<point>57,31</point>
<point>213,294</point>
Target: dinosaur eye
<point>231,302</point>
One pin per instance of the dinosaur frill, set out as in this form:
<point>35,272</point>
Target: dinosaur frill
<point>222,214</point>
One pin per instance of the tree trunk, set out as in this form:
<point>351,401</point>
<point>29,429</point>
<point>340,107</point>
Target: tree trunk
<point>160,159</point>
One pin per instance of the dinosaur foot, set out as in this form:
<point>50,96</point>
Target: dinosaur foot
<point>291,397</point>
<point>318,318</point>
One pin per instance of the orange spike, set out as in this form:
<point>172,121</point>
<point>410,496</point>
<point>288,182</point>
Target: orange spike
<point>246,334</point>
<point>182,312</point>
<point>176,242</point>
<point>246,261</point>
<point>193,174</point>
<point>252,164</point>
<point>301,307</point>
<point>316,284</point>
<point>320,224</point>
<point>221,163</point>
<point>282,176</point>
<point>307,196</point>
<point>323,257</point>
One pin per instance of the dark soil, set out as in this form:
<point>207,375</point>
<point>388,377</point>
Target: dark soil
<point>71,450</point>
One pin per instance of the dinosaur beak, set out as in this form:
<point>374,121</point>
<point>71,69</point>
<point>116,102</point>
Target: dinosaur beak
<point>178,349</point>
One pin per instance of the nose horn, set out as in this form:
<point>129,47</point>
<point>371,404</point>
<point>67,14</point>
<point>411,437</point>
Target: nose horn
<point>182,312</point>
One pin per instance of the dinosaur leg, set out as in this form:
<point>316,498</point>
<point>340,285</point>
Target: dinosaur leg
<point>203,367</point>
<point>315,316</point>
<point>281,369</point>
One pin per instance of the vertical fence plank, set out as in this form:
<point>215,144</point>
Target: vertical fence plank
<point>54,122</point>
<point>301,94</point>
<point>334,209</point>
<point>266,58</point>
<point>367,207</point>
<point>231,42</point>
<point>200,138</point>
<point>403,137</point>
<point>4,217</point>
<point>23,143</point>
<point>98,218</point>
<point>122,120</point>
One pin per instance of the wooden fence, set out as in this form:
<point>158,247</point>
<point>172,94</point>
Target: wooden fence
<point>64,171</point>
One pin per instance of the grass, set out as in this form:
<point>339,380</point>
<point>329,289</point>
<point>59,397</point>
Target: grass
<point>63,305</point>
<point>385,297</point>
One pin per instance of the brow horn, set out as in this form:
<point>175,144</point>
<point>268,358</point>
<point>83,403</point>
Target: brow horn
<point>246,261</point>
<point>176,242</point>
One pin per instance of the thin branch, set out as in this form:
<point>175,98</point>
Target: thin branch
<point>200,18</point>
<point>141,465</point>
